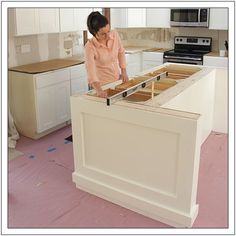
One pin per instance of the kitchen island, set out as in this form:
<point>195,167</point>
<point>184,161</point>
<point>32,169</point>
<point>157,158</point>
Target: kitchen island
<point>144,154</point>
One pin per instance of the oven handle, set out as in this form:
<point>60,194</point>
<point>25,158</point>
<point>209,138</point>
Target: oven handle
<point>183,58</point>
<point>183,61</point>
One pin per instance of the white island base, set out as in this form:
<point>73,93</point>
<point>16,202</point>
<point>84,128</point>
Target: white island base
<point>145,156</point>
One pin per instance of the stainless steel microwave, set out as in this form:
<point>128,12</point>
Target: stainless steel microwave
<point>189,17</point>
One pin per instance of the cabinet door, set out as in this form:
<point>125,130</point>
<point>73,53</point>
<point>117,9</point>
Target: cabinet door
<point>62,102</point>
<point>158,17</point>
<point>133,63</point>
<point>26,21</point>
<point>79,83</point>
<point>79,86</point>
<point>45,107</point>
<point>52,98</point>
<point>215,61</point>
<point>81,15</point>
<point>136,17</point>
<point>218,18</point>
<point>48,20</point>
<point>118,18</point>
<point>67,20</point>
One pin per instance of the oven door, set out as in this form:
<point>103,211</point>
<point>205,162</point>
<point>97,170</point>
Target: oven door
<point>192,61</point>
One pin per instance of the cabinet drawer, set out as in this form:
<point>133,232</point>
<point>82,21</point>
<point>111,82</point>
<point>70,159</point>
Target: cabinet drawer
<point>51,78</point>
<point>78,71</point>
<point>153,56</point>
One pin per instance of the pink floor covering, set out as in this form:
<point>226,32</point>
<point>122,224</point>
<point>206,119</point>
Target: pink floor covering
<point>42,194</point>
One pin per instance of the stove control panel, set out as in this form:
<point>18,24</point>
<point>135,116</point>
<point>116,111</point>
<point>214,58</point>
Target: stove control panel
<point>185,40</point>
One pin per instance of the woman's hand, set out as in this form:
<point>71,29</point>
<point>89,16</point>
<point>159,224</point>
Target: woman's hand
<point>101,93</point>
<point>123,76</point>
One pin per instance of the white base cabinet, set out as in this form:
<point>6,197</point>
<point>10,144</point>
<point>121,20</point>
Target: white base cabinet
<point>79,82</point>
<point>215,61</point>
<point>53,106</point>
<point>152,59</point>
<point>154,168</point>
<point>220,122</point>
<point>40,103</point>
<point>133,63</point>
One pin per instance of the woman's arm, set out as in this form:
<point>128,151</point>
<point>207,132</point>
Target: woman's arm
<point>123,76</point>
<point>100,93</point>
<point>91,71</point>
<point>121,59</point>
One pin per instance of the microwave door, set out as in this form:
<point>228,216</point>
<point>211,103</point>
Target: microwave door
<point>189,17</point>
<point>184,15</point>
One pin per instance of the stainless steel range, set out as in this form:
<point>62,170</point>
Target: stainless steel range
<point>188,50</point>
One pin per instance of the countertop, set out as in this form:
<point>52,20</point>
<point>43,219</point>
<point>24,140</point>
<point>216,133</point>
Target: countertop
<point>131,49</point>
<point>215,54</point>
<point>56,64</point>
<point>46,66</point>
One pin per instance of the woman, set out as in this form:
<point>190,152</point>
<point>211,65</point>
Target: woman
<point>103,53</point>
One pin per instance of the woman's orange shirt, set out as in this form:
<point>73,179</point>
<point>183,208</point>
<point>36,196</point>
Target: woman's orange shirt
<point>103,62</point>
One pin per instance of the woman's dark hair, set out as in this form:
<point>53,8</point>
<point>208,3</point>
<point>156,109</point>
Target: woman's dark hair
<point>95,22</point>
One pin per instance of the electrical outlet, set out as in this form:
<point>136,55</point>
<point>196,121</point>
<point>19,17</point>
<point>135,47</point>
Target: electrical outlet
<point>25,48</point>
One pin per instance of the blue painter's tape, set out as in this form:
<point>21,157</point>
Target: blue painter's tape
<point>51,149</point>
<point>66,141</point>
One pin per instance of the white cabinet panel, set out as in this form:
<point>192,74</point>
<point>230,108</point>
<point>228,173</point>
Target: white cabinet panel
<point>62,102</point>
<point>118,18</point>
<point>81,15</point>
<point>158,17</point>
<point>67,19</point>
<point>52,99</point>
<point>48,20</point>
<point>36,21</point>
<point>150,64</point>
<point>153,56</point>
<point>136,17</point>
<point>128,17</point>
<point>26,21</point>
<point>79,83</point>
<point>218,18</point>
<point>163,184</point>
<point>53,105</point>
<point>152,59</point>
<point>46,79</point>
<point>215,61</point>
<point>45,107</point>
<point>40,103</point>
<point>79,86</point>
<point>133,63</point>
<point>73,19</point>
<point>220,121</point>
